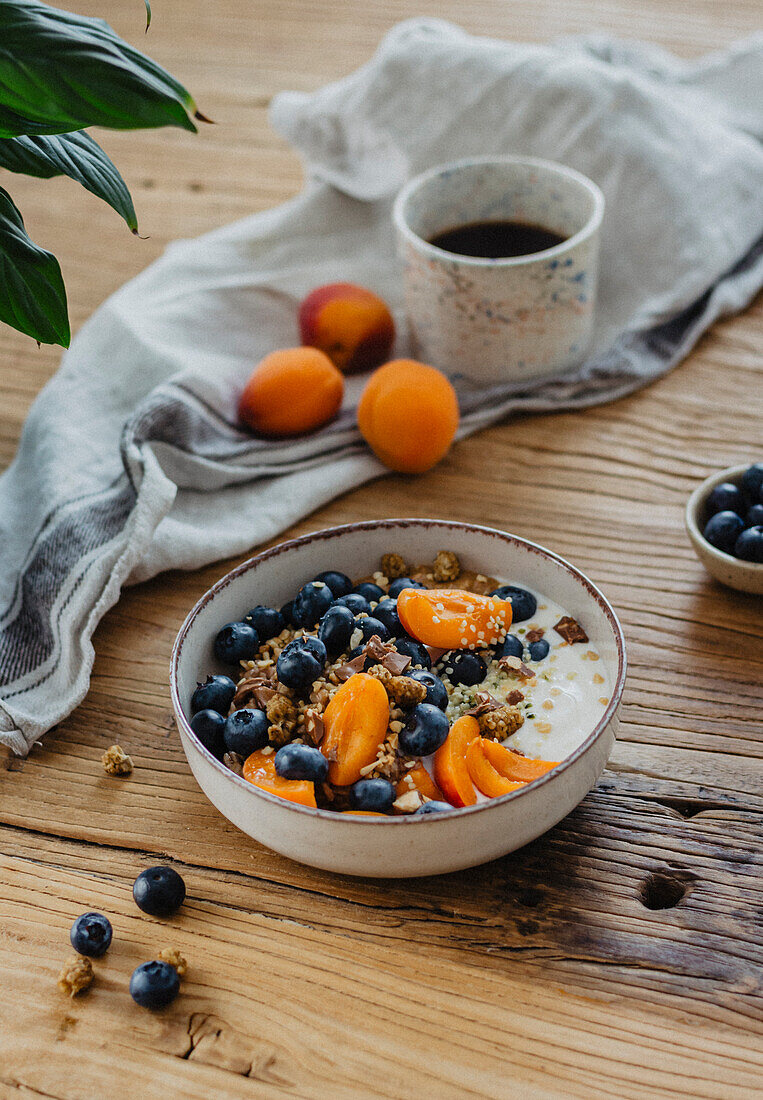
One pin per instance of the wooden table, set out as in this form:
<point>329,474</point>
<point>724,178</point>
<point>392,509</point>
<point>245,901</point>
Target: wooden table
<point>614,957</point>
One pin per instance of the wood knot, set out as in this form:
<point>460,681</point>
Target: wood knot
<point>663,890</point>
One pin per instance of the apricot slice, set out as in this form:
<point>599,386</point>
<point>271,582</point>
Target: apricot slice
<point>364,813</point>
<point>351,324</point>
<point>451,619</point>
<point>408,415</point>
<point>291,391</point>
<point>512,765</point>
<point>422,782</point>
<point>450,770</point>
<point>483,774</point>
<point>260,770</point>
<point>355,723</point>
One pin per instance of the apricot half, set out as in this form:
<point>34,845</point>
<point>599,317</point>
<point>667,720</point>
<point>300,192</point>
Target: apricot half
<point>513,766</point>
<point>482,773</point>
<point>291,391</point>
<point>355,723</point>
<point>451,619</point>
<point>351,324</point>
<point>450,770</point>
<point>260,770</point>
<point>418,779</point>
<point>408,415</point>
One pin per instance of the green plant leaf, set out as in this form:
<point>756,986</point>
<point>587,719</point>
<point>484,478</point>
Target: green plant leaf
<point>32,294</point>
<point>77,155</point>
<point>61,72</point>
<point>148,14</point>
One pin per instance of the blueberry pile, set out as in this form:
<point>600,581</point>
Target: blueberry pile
<point>734,516</point>
<point>159,891</point>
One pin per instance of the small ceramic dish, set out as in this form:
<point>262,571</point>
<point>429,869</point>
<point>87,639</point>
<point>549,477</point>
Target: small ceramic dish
<point>411,845</point>
<point>745,576</point>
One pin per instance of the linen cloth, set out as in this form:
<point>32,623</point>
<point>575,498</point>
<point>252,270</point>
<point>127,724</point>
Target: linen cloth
<point>131,461</point>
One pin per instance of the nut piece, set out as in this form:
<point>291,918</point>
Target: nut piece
<point>393,566</point>
<point>446,567</point>
<point>235,762</point>
<point>282,715</point>
<point>499,724</point>
<point>408,803</point>
<point>116,761</point>
<point>75,975</point>
<point>172,956</point>
<point>571,630</point>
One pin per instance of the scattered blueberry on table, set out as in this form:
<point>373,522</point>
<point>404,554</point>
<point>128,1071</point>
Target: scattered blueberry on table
<point>159,891</point>
<point>91,935</point>
<point>734,516</point>
<point>154,984</point>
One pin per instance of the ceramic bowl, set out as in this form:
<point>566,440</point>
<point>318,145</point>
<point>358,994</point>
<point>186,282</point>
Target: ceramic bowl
<point>406,846</point>
<point>745,576</point>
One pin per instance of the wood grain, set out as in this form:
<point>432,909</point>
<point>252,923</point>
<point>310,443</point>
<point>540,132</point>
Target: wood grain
<point>551,973</point>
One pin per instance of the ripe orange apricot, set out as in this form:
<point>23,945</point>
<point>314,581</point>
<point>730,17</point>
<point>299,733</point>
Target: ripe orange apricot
<point>422,782</point>
<point>352,325</point>
<point>355,721</point>
<point>452,619</point>
<point>261,771</point>
<point>450,770</point>
<point>408,415</point>
<point>512,765</point>
<point>291,391</point>
<point>482,773</point>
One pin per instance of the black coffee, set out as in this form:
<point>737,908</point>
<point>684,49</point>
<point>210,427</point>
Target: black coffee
<point>496,240</point>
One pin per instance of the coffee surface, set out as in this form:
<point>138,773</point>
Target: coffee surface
<point>496,240</point>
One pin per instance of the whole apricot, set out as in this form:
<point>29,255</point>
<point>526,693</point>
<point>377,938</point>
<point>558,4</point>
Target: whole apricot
<point>408,415</point>
<point>290,392</point>
<point>352,325</point>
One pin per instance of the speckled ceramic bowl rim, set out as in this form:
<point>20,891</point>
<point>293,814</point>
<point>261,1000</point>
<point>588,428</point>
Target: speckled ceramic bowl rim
<point>385,524</point>
<point>694,506</point>
<point>590,227</point>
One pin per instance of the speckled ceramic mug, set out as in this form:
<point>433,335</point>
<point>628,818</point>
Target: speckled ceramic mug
<point>500,320</point>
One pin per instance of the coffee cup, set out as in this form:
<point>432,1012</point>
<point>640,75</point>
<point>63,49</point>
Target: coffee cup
<point>496,319</point>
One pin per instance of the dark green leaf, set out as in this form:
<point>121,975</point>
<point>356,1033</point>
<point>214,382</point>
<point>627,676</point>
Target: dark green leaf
<point>76,155</point>
<point>148,14</point>
<point>32,295</point>
<point>61,72</point>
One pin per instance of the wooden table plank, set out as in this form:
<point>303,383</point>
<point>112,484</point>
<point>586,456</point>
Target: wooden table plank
<point>547,973</point>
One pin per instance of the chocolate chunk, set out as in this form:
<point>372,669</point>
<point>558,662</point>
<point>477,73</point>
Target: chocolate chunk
<point>534,635</point>
<point>483,704</point>
<point>571,630</point>
<point>514,697</point>
<point>314,726</point>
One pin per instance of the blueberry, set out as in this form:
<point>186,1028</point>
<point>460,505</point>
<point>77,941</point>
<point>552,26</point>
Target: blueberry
<point>357,604</point>
<point>754,518</point>
<point>312,602</point>
<point>339,583</point>
<point>511,646</point>
<point>369,626</point>
<point>266,621</point>
<point>426,729</point>
<point>154,984</point>
<point>386,612</point>
<point>287,612</point>
<point>335,629</point>
<point>749,545</point>
<point>91,934</point>
<point>246,731</point>
<point>301,762</point>
<point>356,652</point>
<point>316,647</point>
<point>752,481</point>
<point>298,666</point>
<point>434,807</point>
<point>368,591</point>
<point>376,795</point>
<point>722,530</point>
<point>159,891</point>
<point>415,650</point>
<point>523,603</point>
<point>216,693</point>
<point>208,725</point>
<point>725,497</point>
<point>539,649</point>
<point>437,693</point>
<point>236,642</point>
<point>464,667</point>
<point>403,582</point>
